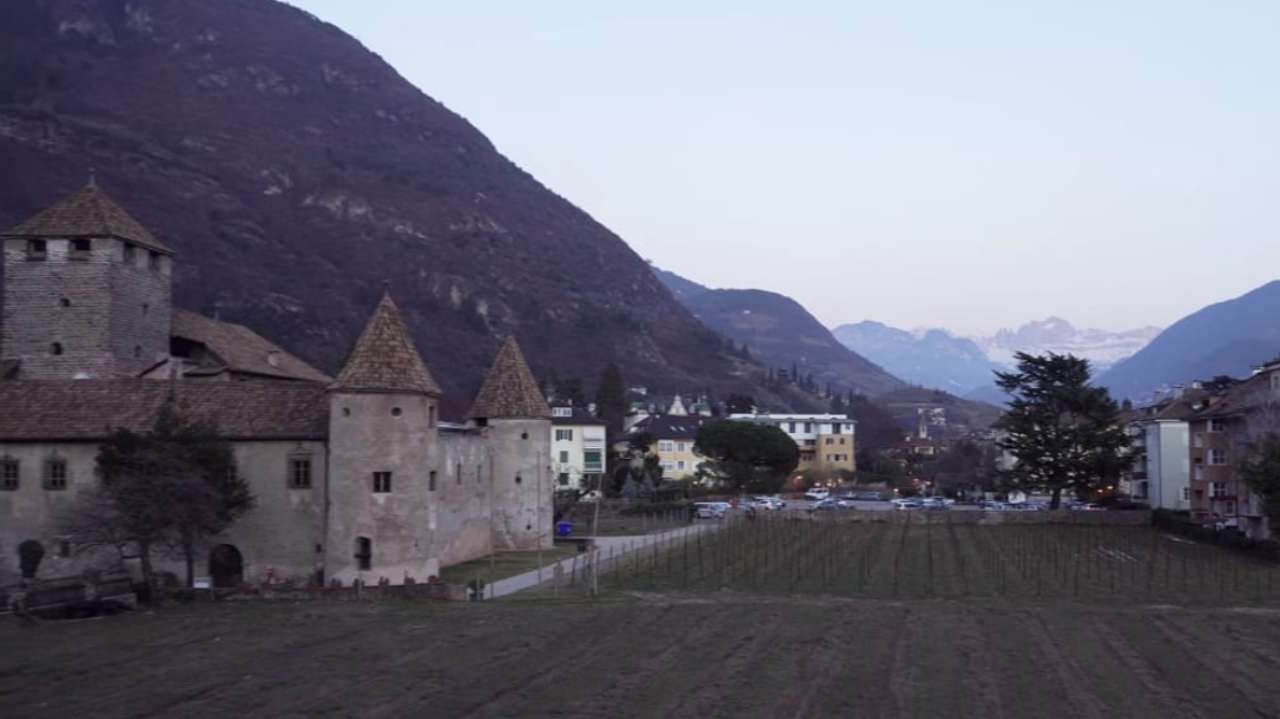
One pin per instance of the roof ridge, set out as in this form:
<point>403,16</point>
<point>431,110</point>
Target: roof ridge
<point>384,358</point>
<point>509,389</point>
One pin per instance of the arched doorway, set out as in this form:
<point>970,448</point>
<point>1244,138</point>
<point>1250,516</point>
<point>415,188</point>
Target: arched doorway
<point>226,566</point>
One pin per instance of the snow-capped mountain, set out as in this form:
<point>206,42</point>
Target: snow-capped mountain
<point>1101,347</point>
<point>964,365</point>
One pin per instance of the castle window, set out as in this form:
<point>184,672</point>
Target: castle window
<point>145,309</point>
<point>364,553</point>
<point>519,479</point>
<point>300,473</point>
<point>431,481</point>
<point>431,416</point>
<point>80,249</point>
<point>9,469</point>
<point>64,302</point>
<point>524,435</point>
<point>346,411</point>
<point>55,348</point>
<point>37,250</point>
<point>381,482</point>
<point>130,254</point>
<point>137,350</point>
<point>479,472</point>
<point>154,261</point>
<point>55,475</point>
<point>457,472</point>
<point>395,412</point>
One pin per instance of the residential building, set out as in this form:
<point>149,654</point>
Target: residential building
<point>673,439</point>
<point>1160,434</point>
<point>826,441</point>
<point>577,448</point>
<point>1222,433</point>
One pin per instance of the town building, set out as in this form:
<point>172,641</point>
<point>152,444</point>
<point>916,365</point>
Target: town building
<point>1223,432</point>
<point>1160,435</point>
<point>672,440</point>
<point>826,441</point>
<point>577,447</point>
<point>354,478</point>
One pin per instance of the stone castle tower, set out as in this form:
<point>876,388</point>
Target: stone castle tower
<point>517,426</point>
<point>87,293</point>
<point>384,452</point>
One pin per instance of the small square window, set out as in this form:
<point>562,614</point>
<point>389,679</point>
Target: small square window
<point>154,261</point>
<point>130,254</point>
<point>381,482</point>
<point>55,475</point>
<point>37,249</point>
<point>300,473</point>
<point>81,245</point>
<point>9,473</point>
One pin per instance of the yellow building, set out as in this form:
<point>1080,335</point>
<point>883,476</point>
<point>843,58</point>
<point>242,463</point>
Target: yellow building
<point>673,439</point>
<point>826,441</point>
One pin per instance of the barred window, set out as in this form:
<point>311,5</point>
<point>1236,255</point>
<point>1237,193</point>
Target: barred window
<point>55,474</point>
<point>300,473</point>
<point>9,472</point>
<point>382,482</point>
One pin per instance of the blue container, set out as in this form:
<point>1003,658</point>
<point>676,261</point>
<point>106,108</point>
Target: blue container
<point>564,529</point>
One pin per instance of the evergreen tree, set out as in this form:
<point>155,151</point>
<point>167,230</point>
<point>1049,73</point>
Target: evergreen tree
<point>1064,434</point>
<point>611,398</point>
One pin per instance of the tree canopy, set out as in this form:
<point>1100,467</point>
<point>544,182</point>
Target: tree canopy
<point>166,489</point>
<point>611,398</point>
<point>1064,434</point>
<point>747,456</point>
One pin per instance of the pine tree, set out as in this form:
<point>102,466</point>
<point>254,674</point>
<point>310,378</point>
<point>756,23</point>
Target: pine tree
<point>1064,434</point>
<point>611,398</point>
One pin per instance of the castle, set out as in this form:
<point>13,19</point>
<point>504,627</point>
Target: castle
<point>355,477</point>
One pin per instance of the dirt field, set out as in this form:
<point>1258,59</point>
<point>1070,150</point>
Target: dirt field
<point>765,619</point>
<point>719,654</point>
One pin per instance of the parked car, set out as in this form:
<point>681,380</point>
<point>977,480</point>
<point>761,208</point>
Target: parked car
<point>823,505</point>
<point>711,510</point>
<point>818,494</point>
<point>847,503</point>
<point>909,503</point>
<point>867,496</point>
<point>770,504</point>
<point>935,503</point>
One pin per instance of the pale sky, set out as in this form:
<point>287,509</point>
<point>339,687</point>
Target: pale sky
<point>968,165</point>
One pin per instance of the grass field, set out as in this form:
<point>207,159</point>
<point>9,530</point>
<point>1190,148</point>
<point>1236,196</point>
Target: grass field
<point>503,565</point>
<point>763,619</point>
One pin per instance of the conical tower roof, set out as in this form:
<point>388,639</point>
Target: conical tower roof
<point>88,212</point>
<point>385,359</point>
<point>509,390</point>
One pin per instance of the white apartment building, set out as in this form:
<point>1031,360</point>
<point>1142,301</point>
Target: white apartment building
<point>577,448</point>
<point>826,441</point>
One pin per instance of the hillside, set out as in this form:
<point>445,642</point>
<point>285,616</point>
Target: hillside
<point>294,172</point>
<point>934,359</point>
<point>779,332</point>
<point>1228,338</point>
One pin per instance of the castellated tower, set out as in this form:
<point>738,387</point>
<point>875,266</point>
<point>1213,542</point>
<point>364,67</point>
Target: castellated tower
<point>87,293</point>
<point>383,456</point>
<point>517,428</point>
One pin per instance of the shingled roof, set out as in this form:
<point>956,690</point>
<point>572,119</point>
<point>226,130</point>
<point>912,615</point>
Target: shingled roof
<point>89,410</point>
<point>385,359</point>
<point>87,213</point>
<point>242,350</point>
<point>509,390</point>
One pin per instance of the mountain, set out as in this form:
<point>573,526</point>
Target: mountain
<point>780,333</point>
<point>933,358</point>
<point>1227,338</point>
<point>294,172</point>
<point>1102,348</point>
